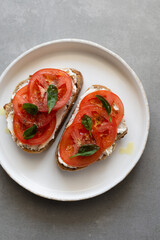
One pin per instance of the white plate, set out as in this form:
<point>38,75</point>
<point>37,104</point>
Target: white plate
<point>39,173</point>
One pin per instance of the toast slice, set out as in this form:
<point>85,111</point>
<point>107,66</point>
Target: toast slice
<point>77,80</point>
<point>121,132</point>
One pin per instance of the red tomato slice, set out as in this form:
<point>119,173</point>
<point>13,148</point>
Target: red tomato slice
<point>42,135</point>
<point>106,130</point>
<point>39,83</point>
<point>40,119</point>
<point>113,100</point>
<point>74,137</point>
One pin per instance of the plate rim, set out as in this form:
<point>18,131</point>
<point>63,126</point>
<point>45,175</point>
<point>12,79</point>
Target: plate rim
<point>139,83</point>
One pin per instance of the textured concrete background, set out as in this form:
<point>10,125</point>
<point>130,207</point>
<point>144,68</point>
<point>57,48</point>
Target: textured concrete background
<point>132,209</point>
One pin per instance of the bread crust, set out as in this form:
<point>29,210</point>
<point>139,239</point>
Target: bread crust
<point>9,108</point>
<point>119,136</point>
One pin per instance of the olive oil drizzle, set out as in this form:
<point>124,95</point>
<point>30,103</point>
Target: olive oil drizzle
<point>2,112</point>
<point>128,149</point>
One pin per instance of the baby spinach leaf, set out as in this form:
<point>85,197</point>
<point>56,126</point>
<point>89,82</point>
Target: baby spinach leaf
<point>106,105</point>
<point>52,94</point>
<point>87,123</point>
<point>30,132</point>
<point>30,108</point>
<point>86,150</point>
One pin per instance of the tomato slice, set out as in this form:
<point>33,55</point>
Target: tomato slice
<point>117,108</point>
<point>40,119</point>
<point>39,83</point>
<point>106,130</point>
<point>74,137</point>
<point>42,135</point>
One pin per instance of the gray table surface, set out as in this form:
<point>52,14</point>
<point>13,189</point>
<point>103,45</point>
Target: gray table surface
<point>131,210</point>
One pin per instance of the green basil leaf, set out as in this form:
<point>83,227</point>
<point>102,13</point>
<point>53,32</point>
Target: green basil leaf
<point>106,105</point>
<point>30,108</point>
<point>86,150</point>
<point>30,132</point>
<point>87,123</point>
<point>52,94</point>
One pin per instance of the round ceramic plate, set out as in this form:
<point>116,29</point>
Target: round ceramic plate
<point>40,173</point>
